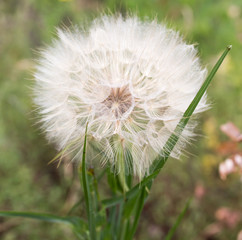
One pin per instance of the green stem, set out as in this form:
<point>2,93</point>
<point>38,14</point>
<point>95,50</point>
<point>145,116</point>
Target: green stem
<point>123,231</point>
<point>138,210</point>
<point>119,219</point>
<point>112,220</point>
<point>87,193</point>
<point>121,175</point>
<point>127,229</point>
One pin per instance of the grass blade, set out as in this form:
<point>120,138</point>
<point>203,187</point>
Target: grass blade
<point>171,142</point>
<point>39,216</point>
<point>87,194</point>
<point>205,85</point>
<point>110,202</point>
<point>178,221</point>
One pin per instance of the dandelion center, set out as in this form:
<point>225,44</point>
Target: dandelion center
<point>119,102</point>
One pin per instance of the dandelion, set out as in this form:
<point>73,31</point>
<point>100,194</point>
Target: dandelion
<point>131,81</point>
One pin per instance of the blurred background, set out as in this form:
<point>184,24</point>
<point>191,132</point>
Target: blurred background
<point>27,182</point>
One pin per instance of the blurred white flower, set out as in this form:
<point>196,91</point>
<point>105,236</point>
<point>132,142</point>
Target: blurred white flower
<point>130,80</point>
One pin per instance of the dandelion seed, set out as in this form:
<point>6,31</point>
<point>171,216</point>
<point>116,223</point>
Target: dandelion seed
<point>130,80</point>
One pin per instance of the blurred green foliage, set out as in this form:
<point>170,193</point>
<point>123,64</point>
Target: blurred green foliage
<point>28,183</point>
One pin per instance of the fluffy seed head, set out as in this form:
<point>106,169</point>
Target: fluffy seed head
<point>130,80</point>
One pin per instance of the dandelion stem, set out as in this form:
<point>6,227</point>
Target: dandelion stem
<point>122,173</point>
<point>138,210</point>
<point>87,193</point>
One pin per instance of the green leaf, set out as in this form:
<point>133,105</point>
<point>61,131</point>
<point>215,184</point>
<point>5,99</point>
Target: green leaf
<point>43,217</point>
<point>112,201</point>
<point>87,193</point>
<point>130,206</point>
<point>78,225</point>
<point>131,193</point>
<point>178,221</point>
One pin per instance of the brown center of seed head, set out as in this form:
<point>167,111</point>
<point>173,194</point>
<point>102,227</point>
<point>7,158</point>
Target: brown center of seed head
<point>119,101</point>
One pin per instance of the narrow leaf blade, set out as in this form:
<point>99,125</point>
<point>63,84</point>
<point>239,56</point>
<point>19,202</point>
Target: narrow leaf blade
<point>178,221</point>
<point>38,216</point>
<point>171,142</point>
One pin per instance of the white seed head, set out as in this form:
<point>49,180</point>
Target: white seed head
<point>130,80</point>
